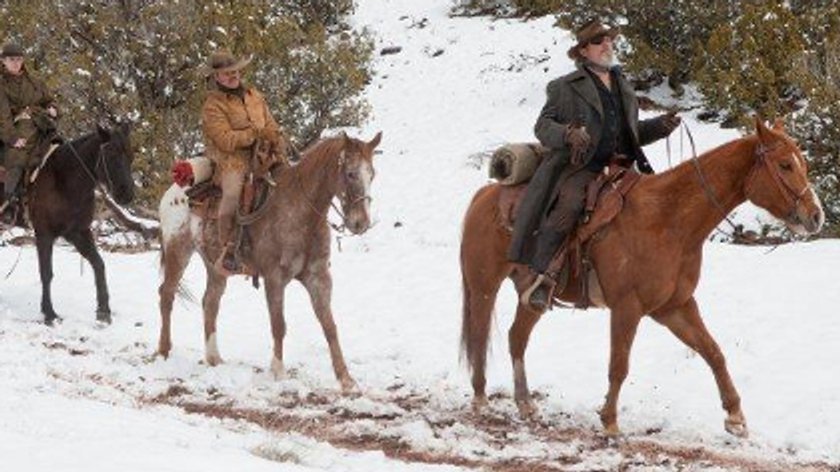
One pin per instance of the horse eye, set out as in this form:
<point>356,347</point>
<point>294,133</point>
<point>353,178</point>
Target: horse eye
<point>786,166</point>
<point>352,174</point>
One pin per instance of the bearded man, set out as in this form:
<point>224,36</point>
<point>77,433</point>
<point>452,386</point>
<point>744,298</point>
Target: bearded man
<point>591,118</point>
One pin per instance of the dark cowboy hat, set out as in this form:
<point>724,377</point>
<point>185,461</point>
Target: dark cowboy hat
<point>587,33</point>
<point>224,61</point>
<point>12,50</point>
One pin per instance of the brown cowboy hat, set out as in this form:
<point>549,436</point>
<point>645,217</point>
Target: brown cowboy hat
<point>12,50</point>
<point>224,61</point>
<point>589,31</point>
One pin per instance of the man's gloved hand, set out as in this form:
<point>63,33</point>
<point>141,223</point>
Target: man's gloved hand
<point>578,141</point>
<point>268,134</point>
<point>669,122</point>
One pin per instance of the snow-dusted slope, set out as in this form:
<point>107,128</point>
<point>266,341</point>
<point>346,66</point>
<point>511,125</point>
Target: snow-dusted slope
<point>78,397</point>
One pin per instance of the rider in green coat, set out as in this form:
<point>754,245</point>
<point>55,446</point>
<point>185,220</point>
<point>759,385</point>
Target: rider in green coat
<point>27,119</point>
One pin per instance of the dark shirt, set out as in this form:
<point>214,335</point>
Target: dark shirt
<point>615,136</point>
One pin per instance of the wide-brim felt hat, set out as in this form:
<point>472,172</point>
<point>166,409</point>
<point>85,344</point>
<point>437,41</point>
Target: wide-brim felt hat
<point>224,61</point>
<point>12,50</point>
<point>587,33</point>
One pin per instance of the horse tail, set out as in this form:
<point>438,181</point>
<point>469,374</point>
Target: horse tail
<point>477,313</point>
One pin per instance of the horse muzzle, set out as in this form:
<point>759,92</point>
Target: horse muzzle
<point>807,218</point>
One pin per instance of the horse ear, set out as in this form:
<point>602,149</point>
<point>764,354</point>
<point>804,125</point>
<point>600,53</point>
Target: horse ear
<point>375,141</point>
<point>761,129</point>
<point>104,134</point>
<point>779,124</point>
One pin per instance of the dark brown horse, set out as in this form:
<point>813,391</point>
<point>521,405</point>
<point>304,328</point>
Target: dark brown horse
<point>61,204</point>
<point>647,260</point>
<point>291,241</point>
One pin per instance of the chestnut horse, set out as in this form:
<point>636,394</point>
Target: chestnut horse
<point>290,241</point>
<point>647,260</point>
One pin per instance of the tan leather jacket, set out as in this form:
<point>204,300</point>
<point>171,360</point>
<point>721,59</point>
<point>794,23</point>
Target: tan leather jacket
<point>230,124</point>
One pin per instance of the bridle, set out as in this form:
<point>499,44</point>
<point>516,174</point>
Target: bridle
<point>346,196</point>
<point>100,162</point>
<point>791,195</point>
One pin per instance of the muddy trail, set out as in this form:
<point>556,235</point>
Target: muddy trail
<point>416,427</point>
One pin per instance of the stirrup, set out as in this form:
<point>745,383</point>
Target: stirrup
<point>542,280</point>
<point>227,263</point>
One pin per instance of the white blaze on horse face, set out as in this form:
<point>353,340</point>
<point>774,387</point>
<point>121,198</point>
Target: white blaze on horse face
<point>366,174</point>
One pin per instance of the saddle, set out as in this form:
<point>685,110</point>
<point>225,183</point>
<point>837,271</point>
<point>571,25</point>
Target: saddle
<point>204,196</point>
<point>30,175</point>
<point>604,201</point>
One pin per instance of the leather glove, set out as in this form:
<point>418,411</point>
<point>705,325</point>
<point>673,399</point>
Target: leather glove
<point>268,134</point>
<point>669,122</point>
<point>578,141</point>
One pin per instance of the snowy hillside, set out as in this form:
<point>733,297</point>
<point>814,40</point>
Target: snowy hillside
<point>80,397</point>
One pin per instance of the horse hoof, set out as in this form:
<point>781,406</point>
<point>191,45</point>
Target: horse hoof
<point>278,370</point>
<point>479,404</point>
<point>52,320</point>
<point>349,386</point>
<point>736,428</point>
<point>611,431</point>
<point>103,316</point>
<point>527,409</point>
<point>213,360</point>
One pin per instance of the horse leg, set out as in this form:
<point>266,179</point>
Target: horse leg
<point>216,284</point>
<point>44,245</point>
<point>319,286</point>
<point>687,325</point>
<point>83,242</point>
<point>623,324</point>
<point>518,336</point>
<point>174,258</point>
<point>275,288</point>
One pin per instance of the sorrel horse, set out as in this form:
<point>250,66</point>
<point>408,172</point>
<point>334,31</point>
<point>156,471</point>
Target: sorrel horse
<point>61,204</point>
<point>291,241</point>
<point>647,260</point>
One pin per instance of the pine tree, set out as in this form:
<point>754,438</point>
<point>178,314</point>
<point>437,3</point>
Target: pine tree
<point>142,60</point>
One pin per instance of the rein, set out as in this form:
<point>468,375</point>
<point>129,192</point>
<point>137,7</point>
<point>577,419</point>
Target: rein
<point>707,188</point>
<point>92,174</point>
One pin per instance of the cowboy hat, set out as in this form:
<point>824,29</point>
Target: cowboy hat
<point>12,50</point>
<point>224,61</point>
<point>586,33</point>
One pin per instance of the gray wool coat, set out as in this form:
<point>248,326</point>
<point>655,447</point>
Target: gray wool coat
<point>573,99</point>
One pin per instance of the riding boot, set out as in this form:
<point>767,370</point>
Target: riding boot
<point>539,294</point>
<point>10,207</point>
<point>228,262</point>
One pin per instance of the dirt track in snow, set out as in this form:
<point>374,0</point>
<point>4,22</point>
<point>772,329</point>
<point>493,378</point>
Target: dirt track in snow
<point>564,444</point>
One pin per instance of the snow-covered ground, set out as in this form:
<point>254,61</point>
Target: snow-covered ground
<point>80,397</point>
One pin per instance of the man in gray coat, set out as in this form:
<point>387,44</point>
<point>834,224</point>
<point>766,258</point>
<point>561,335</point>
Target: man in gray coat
<point>591,117</point>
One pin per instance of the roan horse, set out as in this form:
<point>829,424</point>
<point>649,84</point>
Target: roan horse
<point>61,204</point>
<point>291,241</point>
<point>647,260</point>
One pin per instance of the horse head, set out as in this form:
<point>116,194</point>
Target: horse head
<point>356,174</point>
<point>778,181</point>
<point>113,167</point>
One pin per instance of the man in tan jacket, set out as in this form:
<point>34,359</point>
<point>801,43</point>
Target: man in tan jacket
<point>233,118</point>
